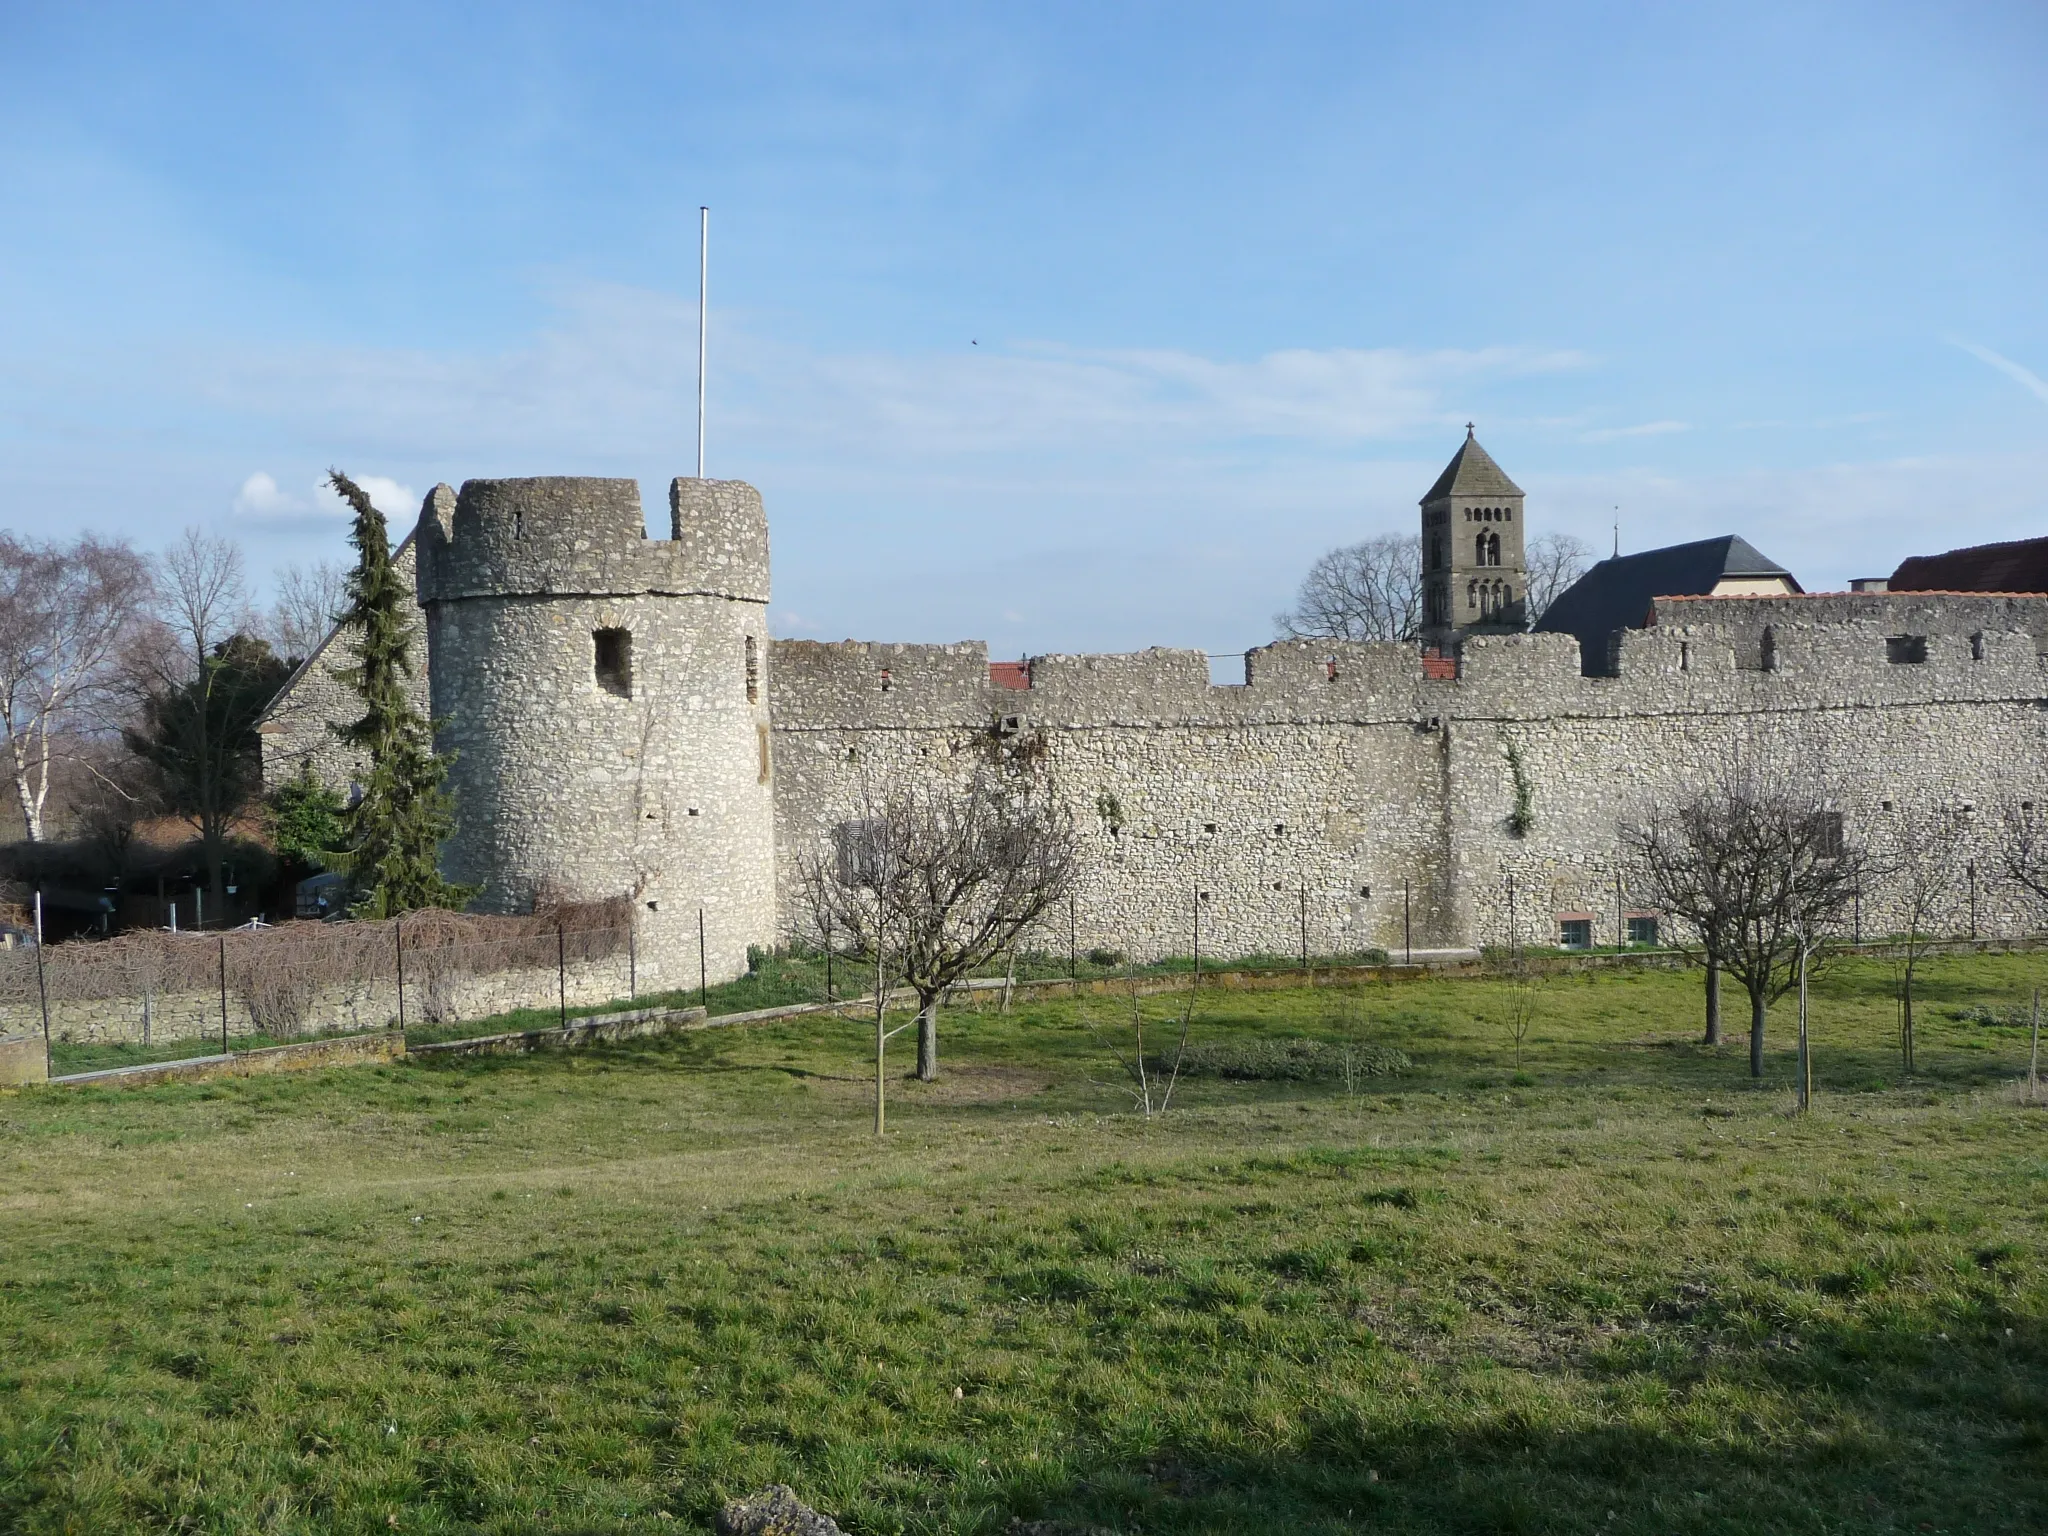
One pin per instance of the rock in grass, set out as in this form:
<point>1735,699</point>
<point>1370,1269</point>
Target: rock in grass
<point>775,1511</point>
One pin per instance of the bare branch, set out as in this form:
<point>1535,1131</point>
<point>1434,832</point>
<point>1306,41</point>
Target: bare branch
<point>1366,591</point>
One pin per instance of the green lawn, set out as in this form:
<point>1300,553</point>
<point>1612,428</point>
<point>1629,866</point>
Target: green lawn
<point>1613,1288</point>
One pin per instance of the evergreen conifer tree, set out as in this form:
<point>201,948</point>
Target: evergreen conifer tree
<point>396,829</point>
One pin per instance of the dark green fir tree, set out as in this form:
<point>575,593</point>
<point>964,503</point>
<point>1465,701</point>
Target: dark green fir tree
<point>405,813</point>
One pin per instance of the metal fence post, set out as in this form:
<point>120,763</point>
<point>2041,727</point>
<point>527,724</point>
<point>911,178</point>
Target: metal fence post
<point>1304,928</point>
<point>561,972</point>
<point>828,960</point>
<point>1198,936</point>
<point>42,986</point>
<point>703,970</point>
<point>1407,929</point>
<point>398,942</point>
<point>224,994</point>
<point>632,956</point>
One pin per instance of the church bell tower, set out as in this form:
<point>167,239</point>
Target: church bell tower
<point>1474,573</point>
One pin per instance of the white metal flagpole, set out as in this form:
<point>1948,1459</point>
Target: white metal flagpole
<point>703,313</point>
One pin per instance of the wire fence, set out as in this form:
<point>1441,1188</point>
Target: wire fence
<point>150,988</point>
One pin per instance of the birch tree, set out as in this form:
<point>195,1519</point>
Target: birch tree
<point>66,614</point>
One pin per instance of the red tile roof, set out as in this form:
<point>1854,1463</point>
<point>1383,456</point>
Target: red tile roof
<point>2018,566</point>
<point>1010,674</point>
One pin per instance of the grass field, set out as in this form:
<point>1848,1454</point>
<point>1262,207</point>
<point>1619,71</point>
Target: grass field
<point>1612,1287</point>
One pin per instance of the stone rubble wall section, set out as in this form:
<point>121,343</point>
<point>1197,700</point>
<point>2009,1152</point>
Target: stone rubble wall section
<point>1338,769</point>
<point>566,788</point>
<point>368,1004</point>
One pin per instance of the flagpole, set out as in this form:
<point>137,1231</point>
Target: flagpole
<point>703,313</point>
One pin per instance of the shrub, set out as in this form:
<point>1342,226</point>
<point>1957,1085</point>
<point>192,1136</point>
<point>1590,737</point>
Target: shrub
<point>1287,1061</point>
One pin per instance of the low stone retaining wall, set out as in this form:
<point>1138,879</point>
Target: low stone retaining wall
<point>306,1055</point>
<point>364,1005</point>
<point>634,1024</point>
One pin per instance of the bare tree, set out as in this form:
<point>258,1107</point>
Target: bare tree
<point>303,612</point>
<point>1766,863</point>
<point>1149,1077</point>
<point>1925,852</point>
<point>66,612</point>
<point>1555,561</point>
<point>946,880</point>
<point>203,596</point>
<point>204,683</point>
<point>1686,878</point>
<point>1366,591</point>
<point>1520,1014</point>
<point>2023,847</point>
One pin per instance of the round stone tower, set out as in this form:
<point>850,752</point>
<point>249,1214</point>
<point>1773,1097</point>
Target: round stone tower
<point>606,699</point>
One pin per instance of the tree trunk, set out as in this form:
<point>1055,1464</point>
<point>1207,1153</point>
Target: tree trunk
<point>927,1039</point>
<point>1757,1008</point>
<point>1713,1000</point>
<point>1906,1020</point>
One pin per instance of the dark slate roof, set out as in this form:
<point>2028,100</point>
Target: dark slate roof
<point>2020,566</point>
<point>1471,472</point>
<point>1616,593</point>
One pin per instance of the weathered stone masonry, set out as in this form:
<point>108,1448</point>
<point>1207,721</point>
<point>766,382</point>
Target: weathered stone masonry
<point>695,764</point>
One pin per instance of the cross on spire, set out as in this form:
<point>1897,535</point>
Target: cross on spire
<point>1468,429</point>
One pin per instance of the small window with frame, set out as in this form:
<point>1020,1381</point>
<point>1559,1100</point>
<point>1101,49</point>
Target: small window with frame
<point>1575,933</point>
<point>1905,650</point>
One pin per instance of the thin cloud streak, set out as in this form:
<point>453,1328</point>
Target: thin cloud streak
<point>1646,429</point>
<point>2019,373</point>
<point>615,378</point>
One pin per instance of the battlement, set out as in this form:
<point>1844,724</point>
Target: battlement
<point>563,535</point>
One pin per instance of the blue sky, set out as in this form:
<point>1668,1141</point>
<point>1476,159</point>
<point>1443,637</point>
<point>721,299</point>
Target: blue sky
<point>1070,327</point>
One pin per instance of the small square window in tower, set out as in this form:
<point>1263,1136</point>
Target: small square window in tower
<point>614,649</point>
<point>1905,650</point>
<point>753,671</point>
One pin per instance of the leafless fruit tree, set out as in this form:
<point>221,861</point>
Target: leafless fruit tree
<point>1366,591</point>
<point>946,878</point>
<point>1762,864</point>
<point>1520,1014</point>
<point>1145,1074</point>
<point>66,612</point>
<point>1555,561</point>
<point>1925,852</point>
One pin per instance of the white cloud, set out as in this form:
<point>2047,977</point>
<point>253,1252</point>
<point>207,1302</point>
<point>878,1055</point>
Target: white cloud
<point>386,495</point>
<point>260,498</point>
<point>2020,374</point>
<point>263,502</point>
<point>1646,429</point>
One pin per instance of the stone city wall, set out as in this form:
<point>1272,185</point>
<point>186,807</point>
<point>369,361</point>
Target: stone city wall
<point>1338,778</point>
